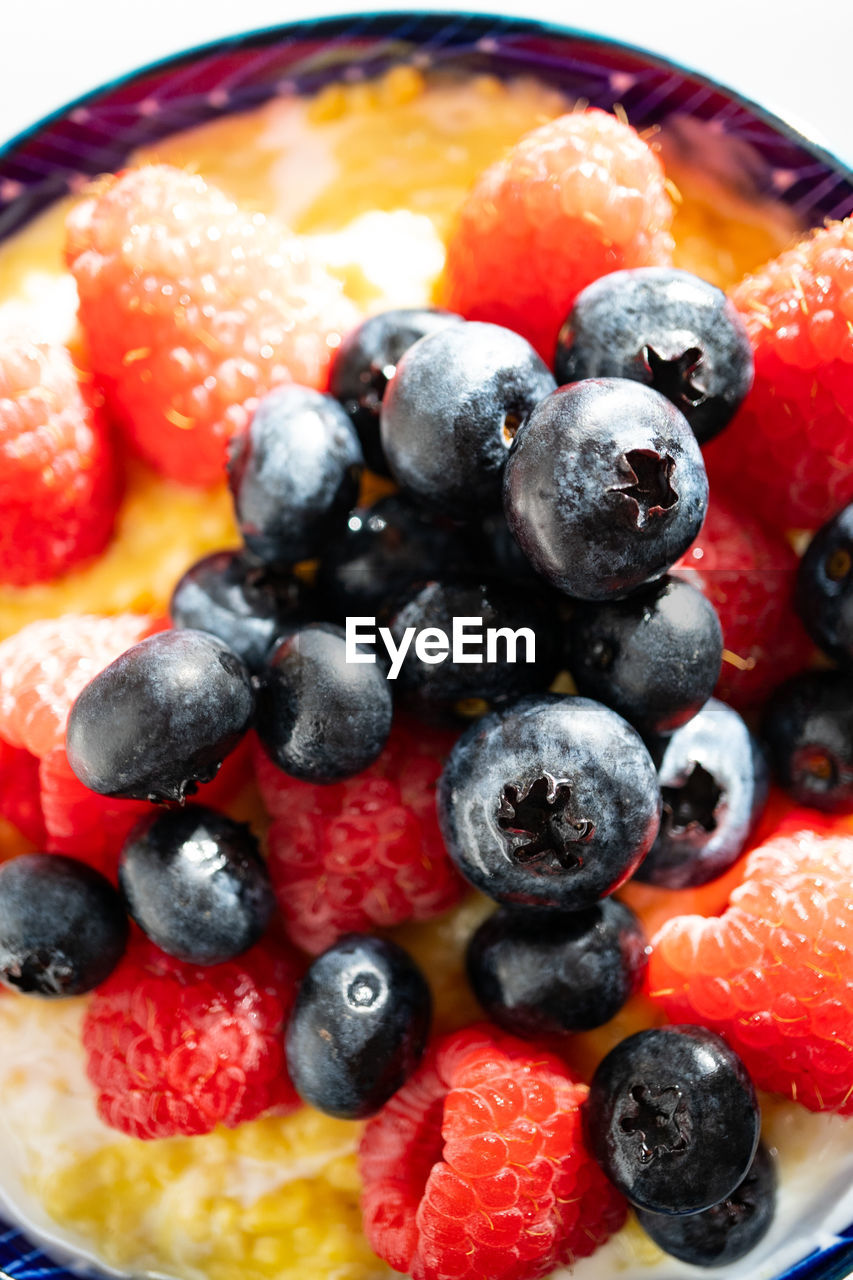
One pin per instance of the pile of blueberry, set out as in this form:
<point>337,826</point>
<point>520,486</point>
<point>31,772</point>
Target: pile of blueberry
<point>528,506</point>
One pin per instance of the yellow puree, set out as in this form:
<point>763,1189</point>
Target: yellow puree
<point>279,1197</point>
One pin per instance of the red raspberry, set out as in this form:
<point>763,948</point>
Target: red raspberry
<point>788,454</point>
<point>362,854</point>
<point>177,1048</point>
<point>42,669</point>
<point>576,198</point>
<point>774,973</point>
<point>20,799</point>
<point>59,487</point>
<point>476,1167</point>
<point>748,575</point>
<point>193,308</point>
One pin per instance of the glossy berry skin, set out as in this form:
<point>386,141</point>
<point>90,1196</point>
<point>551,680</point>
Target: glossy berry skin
<point>63,927</point>
<point>195,882</point>
<point>714,779</point>
<point>246,605</point>
<point>672,1118</point>
<point>321,718</point>
<point>549,802</point>
<point>544,973</point>
<point>824,594</point>
<point>451,413</point>
<point>161,718</point>
<point>808,730</point>
<point>605,487</point>
<point>668,329</point>
<point>367,360</point>
<point>727,1231</point>
<point>381,550</point>
<point>293,474</point>
<point>359,1026</point>
<point>431,687</point>
<point>655,657</point>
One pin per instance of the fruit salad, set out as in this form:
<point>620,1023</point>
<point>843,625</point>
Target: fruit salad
<point>426,729</point>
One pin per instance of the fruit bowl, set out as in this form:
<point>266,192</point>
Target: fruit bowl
<point>761,160</point>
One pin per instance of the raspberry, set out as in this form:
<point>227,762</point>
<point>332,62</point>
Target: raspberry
<point>365,853</point>
<point>476,1167</point>
<point>20,800</point>
<point>774,973</point>
<point>788,454</point>
<point>176,1048</point>
<point>42,669</point>
<point>193,308</point>
<point>576,198</point>
<point>748,575</point>
<point>59,487</point>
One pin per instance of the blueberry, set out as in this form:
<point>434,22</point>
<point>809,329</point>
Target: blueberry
<point>293,474</point>
<point>665,328</point>
<point>492,678</point>
<point>359,1026</point>
<point>245,604</point>
<point>546,972</point>
<point>824,594</point>
<point>452,411</point>
<point>367,360</point>
<point>727,1231</point>
<point>605,487</point>
<point>499,553</point>
<point>381,552</point>
<point>550,802</point>
<point>161,718</point>
<point>654,657</point>
<point>714,778</point>
<point>63,928</point>
<point>320,717</point>
<point>195,882</point>
<point>672,1119</point>
<point>808,731</point>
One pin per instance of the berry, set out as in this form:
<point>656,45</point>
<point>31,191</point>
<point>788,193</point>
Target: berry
<point>59,483</point>
<point>294,474</point>
<point>492,677</point>
<point>362,854</point>
<point>195,882</point>
<point>672,1119</point>
<point>605,487</point>
<point>808,729</point>
<point>543,973</point>
<point>499,553</point>
<point>824,594</point>
<point>727,1231</point>
<point>246,605</point>
<point>176,1049</point>
<point>382,551</point>
<point>192,309</point>
<point>748,576</point>
<point>654,657</point>
<point>714,779</point>
<point>160,718</point>
<point>63,928</point>
<point>576,198</point>
<point>477,1166</point>
<point>668,329</point>
<point>788,455</point>
<point>550,802</point>
<point>359,1026</point>
<point>452,411</point>
<point>774,972</point>
<point>320,716</point>
<point>366,362</point>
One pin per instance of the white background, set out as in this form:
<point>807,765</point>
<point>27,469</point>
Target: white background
<point>54,50</point>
